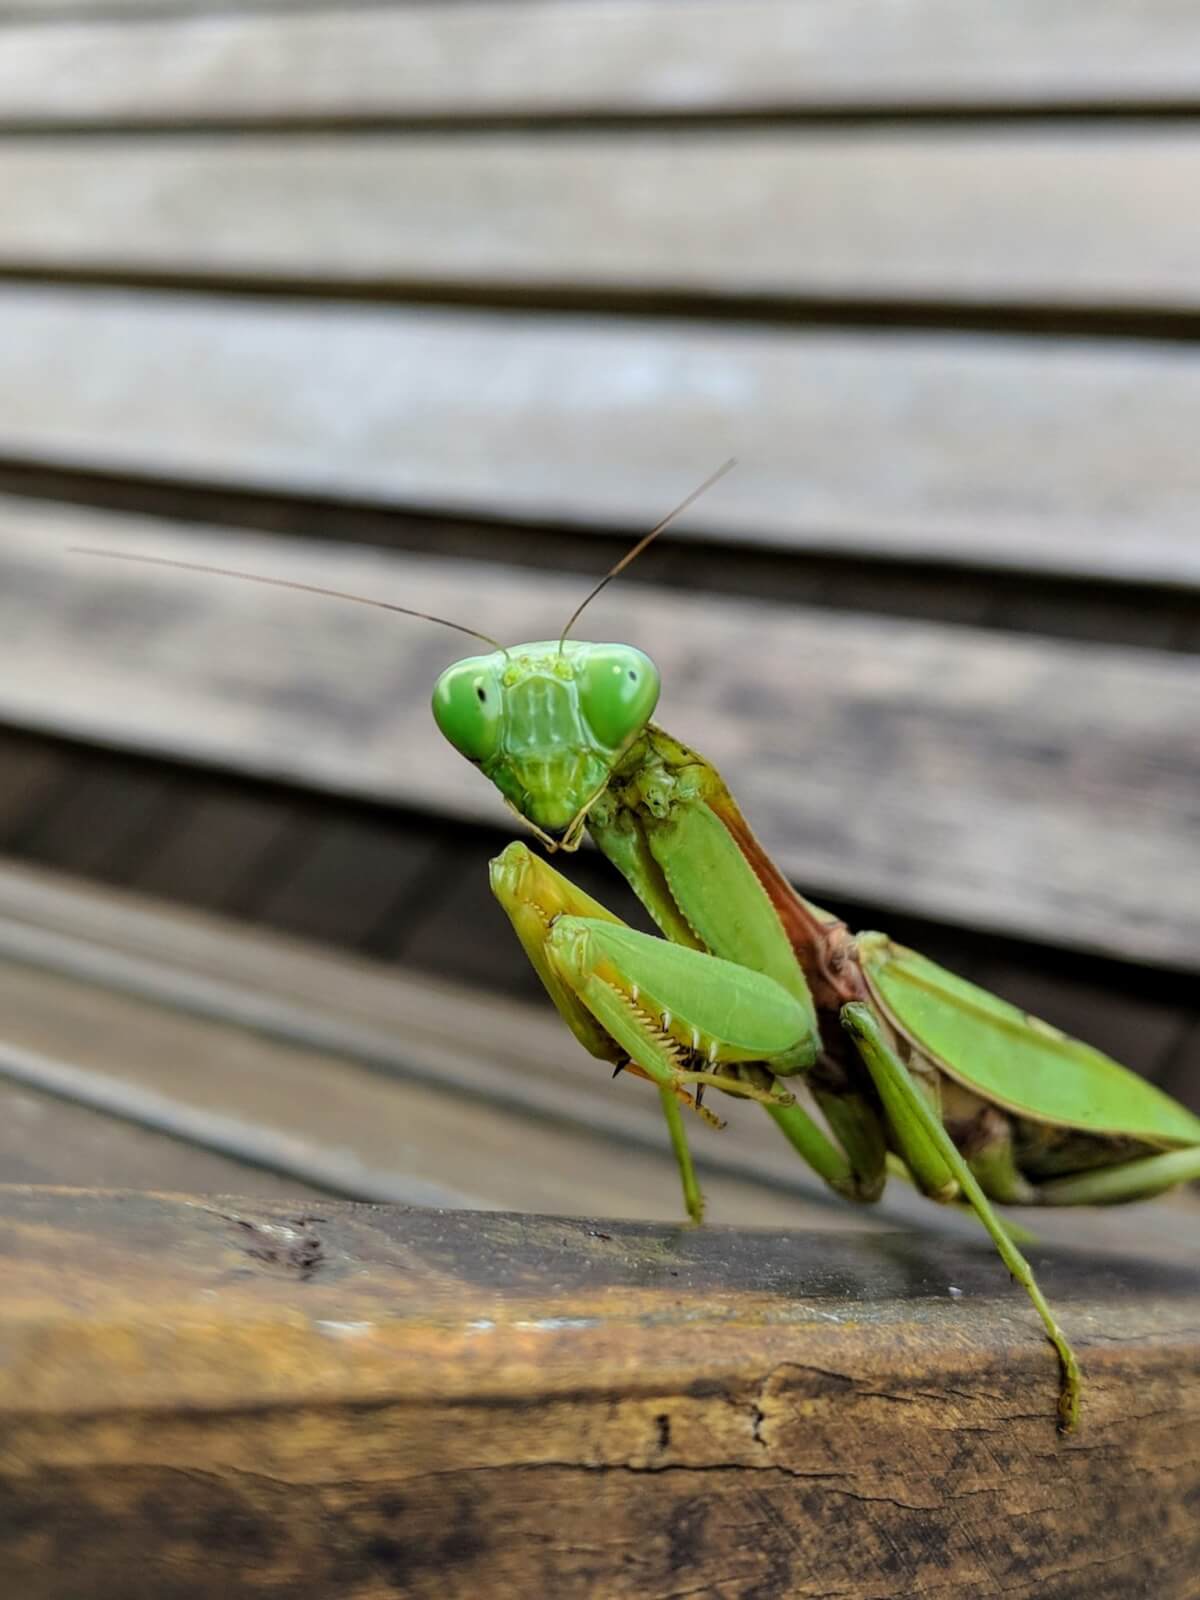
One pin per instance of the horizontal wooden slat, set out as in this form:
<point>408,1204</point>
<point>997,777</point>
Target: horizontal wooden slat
<point>46,1139</point>
<point>206,1398</point>
<point>367,1080</point>
<point>1072,457</point>
<point>587,56</point>
<point>1065,216</point>
<point>1047,788</point>
<point>320,1118</point>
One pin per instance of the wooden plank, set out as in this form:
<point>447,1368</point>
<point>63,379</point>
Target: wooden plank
<point>587,57</point>
<point>1065,457</point>
<point>44,1139</point>
<point>320,1117</point>
<point>1047,788</point>
<point>501,1405</point>
<point>1091,217</point>
<point>400,1022</point>
<point>395,1021</point>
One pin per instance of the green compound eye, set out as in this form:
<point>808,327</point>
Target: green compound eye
<point>467,707</point>
<point>618,690</point>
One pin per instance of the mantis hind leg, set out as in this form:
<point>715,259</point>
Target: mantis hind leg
<point>925,1145</point>
<point>1130,1180</point>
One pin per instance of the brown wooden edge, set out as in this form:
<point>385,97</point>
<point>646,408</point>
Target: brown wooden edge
<point>203,1397</point>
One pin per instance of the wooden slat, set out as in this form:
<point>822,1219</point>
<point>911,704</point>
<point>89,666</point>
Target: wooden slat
<point>1071,457</point>
<point>396,1021</point>
<point>959,215</point>
<point>373,1082</point>
<point>45,1139</point>
<point>1043,787</point>
<point>315,1399</point>
<point>1082,217</point>
<point>362,1079</point>
<point>322,1119</point>
<point>586,56</point>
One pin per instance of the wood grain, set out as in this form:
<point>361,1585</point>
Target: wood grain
<point>1042,787</point>
<point>1075,457</point>
<point>313,1399</point>
<point>1072,215</point>
<point>175,60</point>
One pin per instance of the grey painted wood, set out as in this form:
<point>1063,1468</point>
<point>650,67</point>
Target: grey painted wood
<point>1075,215</point>
<point>1069,457</point>
<point>1041,787</point>
<point>580,56</point>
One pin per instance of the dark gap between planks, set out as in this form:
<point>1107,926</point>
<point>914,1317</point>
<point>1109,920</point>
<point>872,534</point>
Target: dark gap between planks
<point>1119,319</point>
<point>898,113</point>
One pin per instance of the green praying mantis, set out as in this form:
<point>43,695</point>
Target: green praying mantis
<point>751,986</point>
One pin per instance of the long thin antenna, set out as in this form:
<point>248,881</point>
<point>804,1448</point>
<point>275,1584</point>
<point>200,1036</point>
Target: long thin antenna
<point>282,583</point>
<point>632,555</point>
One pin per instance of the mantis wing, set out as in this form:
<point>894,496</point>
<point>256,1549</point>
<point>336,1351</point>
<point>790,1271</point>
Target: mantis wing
<point>1015,1060</point>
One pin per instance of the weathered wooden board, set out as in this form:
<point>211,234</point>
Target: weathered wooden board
<point>1075,457</point>
<point>1043,787</point>
<point>1060,216</point>
<point>46,1139</point>
<point>546,57</point>
<point>322,1399</point>
<point>427,1112</point>
<point>370,1081</point>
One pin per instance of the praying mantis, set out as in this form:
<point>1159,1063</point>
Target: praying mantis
<point>752,987</point>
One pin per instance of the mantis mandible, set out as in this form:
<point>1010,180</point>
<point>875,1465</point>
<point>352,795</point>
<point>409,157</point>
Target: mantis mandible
<point>751,985</point>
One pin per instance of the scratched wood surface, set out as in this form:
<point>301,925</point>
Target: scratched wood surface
<point>311,1398</point>
<point>192,60</point>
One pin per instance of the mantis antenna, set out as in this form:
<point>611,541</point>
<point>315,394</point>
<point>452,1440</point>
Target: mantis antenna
<point>632,555</point>
<point>282,583</point>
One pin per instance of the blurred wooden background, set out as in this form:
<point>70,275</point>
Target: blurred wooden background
<point>447,304</point>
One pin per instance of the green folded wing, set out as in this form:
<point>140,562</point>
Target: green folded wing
<point>1014,1059</point>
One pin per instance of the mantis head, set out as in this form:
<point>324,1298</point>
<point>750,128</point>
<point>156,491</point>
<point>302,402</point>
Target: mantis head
<point>547,723</point>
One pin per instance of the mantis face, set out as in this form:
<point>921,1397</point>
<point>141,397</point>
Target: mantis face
<point>548,722</point>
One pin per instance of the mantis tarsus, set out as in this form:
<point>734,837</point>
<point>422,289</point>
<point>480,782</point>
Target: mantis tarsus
<point>752,985</point>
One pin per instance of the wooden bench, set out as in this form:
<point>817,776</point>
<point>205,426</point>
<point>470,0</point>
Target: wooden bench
<point>447,304</point>
<point>316,1399</point>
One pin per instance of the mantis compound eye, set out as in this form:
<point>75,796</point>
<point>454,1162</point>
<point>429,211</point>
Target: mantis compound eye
<point>467,707</point>
<point>618,690</point>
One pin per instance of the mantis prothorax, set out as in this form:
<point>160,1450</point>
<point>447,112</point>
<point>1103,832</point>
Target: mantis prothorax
<point>752,984</point>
